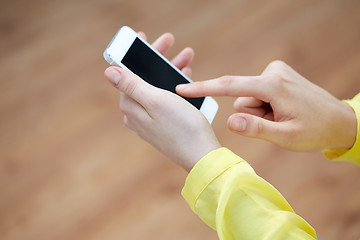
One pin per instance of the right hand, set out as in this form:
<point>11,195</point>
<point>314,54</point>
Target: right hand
<point>282,107</point>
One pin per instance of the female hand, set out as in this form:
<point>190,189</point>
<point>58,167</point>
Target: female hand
<point>282,107</point>
<point>162,118</point>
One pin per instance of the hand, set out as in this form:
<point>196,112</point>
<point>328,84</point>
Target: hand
<point>162,118</point>
<point>282,107</point>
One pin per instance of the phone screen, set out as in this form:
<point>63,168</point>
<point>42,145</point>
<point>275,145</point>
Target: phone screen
<point>145,63</point>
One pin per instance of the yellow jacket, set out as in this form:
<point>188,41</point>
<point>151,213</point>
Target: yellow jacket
<point>227,194</point>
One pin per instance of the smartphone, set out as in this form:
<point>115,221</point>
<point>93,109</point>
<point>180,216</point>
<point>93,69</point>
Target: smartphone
<point>130,52</point>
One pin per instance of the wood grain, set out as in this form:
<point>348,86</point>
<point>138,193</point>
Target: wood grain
<point>69,169</point>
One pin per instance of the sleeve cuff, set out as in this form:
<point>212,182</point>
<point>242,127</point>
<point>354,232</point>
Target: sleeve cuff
<point>205,171</point>
<point>352,154</point>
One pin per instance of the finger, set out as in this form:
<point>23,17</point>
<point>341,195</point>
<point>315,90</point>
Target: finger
<point>164,43</point>
<point>131,84</point>
<point>187,71</point>
<point>260,112</point>
<point>242,103</point>
<point>257,127</point>
<point>269,115</point>
<point>254,106</point>
<point>235,86</point>
<point>142,35</point>
<point>184,58</point>
<point>112,75</point>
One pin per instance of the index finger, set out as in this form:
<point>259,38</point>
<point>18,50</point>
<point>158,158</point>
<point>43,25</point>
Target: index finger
<point>234,86</point>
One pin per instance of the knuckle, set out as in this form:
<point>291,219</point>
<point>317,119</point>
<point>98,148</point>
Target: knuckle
<point>277,64</point>
<point>274,79</point>
<point>238,105</point>
<point>129,88</point>
<point>227,82</point>
<point>258,128</point>
<point>276,82</point>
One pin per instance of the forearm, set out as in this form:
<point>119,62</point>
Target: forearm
<point>227,194</point>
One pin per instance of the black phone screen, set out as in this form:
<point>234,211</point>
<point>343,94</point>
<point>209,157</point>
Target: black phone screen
<point>145,63</point>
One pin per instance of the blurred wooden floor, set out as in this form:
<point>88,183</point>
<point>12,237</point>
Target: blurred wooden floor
<point>70,170</point>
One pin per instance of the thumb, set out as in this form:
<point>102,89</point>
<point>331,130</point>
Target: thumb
<point>129,83</point>
<point>253,126</point>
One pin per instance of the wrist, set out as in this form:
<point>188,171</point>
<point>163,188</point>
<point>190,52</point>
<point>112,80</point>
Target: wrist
<point>348,127</point>
<point>353,121</point>
<point>195,158</point>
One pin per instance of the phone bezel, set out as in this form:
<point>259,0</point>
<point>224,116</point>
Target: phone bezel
<point>120,44</point>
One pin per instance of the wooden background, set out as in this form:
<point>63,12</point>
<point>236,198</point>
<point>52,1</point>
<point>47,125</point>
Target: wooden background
<point>69,169</point>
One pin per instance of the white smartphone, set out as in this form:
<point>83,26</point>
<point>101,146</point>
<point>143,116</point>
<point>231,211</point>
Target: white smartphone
<point>130,52</point>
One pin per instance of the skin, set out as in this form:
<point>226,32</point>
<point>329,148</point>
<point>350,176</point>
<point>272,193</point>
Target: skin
<point>282,107</point>
<point>279,106</point>
<point>174,127</point>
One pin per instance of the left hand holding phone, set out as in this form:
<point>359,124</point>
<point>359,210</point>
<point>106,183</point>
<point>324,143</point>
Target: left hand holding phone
<point>174,126</point>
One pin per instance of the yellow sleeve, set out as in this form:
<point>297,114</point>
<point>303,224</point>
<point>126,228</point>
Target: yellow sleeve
<point>225,192</point>
<point>352,154</point>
